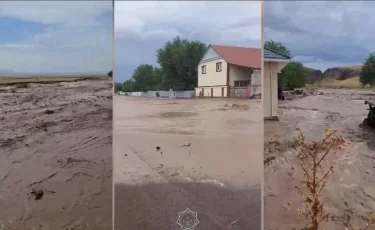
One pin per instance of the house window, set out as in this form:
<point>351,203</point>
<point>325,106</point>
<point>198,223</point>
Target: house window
<point>203,69</point>
<point>243,83</point>
<point>218,67</point>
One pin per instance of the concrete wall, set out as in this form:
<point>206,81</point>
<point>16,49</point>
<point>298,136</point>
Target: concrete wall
<point>256,78</point>
<point>165,94</point>
<point>208,91</point>
<point>212,78</point>
<point>270,84</point>
<point>237,73</point>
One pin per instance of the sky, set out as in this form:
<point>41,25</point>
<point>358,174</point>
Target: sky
<point>41,37</point>
<point>322,34</point>
<point>141,28</point>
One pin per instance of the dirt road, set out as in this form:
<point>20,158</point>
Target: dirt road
<point>56,138</point>
<point>350,193</point>
<point>170,155</point>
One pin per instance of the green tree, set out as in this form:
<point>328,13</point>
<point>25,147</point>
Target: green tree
<point>293,75</point>
<point>178,62</point>
<point>143,78</point>
<point>118,87</point>
<point>278,47</point>
<point>128,86</point>
<point>367,74</point>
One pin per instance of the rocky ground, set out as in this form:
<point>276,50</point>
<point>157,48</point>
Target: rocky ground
<point>201,154</point>
<point>56,156</point>
<point>350,193</point>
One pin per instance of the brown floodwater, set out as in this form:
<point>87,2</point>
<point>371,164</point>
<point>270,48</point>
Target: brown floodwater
<point>173,154</point>
<point>350,192</point>
<point>56,138</point>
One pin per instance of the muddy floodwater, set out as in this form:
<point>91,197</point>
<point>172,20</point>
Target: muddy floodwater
<point>350,192</point>
<point>201,154</point>
<point>56,156</point>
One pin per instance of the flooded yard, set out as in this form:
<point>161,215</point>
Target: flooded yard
<point>201,154</point>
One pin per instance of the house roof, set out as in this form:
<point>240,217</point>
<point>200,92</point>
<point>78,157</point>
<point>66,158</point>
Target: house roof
<point>272,54</point>
<point>241,56</point>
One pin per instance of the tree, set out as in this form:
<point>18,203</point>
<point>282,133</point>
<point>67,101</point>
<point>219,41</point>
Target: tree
<point>128,86</point>
<point>293,75</point>
<point>178,61</point>
<point>118,87</point>
<point>367,74</point>
<point>278,47</point>
<point>143,78</point>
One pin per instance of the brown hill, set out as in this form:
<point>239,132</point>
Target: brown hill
<point>337,73</point>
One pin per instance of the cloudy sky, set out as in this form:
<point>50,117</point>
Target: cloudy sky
<point>141,28</point>
<point>55,37</point>
<point>322,34</point>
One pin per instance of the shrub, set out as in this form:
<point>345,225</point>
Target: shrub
<point>311,156</point>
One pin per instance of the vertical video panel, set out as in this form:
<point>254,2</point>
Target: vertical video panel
<point>188,125</point>
<point>318,102</point>
<point>56,115</point>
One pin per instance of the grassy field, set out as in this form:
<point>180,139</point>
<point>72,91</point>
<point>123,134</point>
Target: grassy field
<point>47,79</point>
<point>350,83</point>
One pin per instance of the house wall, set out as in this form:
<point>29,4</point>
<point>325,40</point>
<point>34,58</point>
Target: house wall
<point>238,73</point>
<point>212,78</point>
<point>210,55</point>
<point>256,78</point>
<point>216,91</point>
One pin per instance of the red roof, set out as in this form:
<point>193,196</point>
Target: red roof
<point>241,56</point>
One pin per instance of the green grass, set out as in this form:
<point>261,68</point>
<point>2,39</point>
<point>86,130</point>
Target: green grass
<point>47,79</point>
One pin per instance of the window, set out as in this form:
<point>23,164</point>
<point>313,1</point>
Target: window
<point>203,69</point>
<point>218,67</point>
<point>244,83</point>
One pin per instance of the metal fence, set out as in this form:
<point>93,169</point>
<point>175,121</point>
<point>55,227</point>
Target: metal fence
<point>253,91</point>
<point>162,94</point>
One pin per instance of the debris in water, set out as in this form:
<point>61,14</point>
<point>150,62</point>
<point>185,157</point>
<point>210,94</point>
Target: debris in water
<point>161,152</point>
<point>158,148</point>
<point>126,155</point>
<point>186,145</point>
<point>49,111</point>
<point>38,194</point>
<point>235,223</point>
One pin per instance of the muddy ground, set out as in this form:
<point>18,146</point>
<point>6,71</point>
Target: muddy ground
<point>350,193</point>
<point>56,138</point>
<point>201,154</point>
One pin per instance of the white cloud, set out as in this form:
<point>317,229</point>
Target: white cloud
<point>67,13</point>
<point>322,33</point>
<point>136,19</point>
<point>75,40</point>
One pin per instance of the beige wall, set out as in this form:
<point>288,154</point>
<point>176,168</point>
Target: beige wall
<point>217,91</point>
<point>237,73</point>
<point>270,84</point>
<point>256,78</point>
<point>212,78</point>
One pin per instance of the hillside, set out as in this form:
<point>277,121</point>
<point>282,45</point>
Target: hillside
<point>335,73</point>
